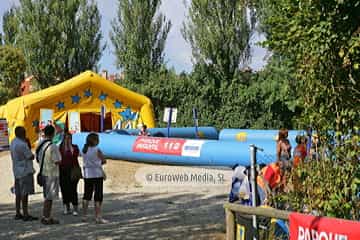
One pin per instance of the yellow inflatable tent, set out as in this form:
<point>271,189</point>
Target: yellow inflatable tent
<point>84,94</point>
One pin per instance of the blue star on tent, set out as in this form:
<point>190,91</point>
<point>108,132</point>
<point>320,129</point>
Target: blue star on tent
<point>102,96</point>
<point>87,93</point>
<point>117,104</point>
<point>75,99</point>
<point>60,105</point>
<point>127,114</point>
<point>35,123</point>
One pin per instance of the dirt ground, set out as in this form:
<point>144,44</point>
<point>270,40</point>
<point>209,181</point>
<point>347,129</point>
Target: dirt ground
<point>136,205</point>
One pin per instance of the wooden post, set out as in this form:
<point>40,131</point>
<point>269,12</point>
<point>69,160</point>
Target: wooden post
<point>259,211</point>
<point>232,208</point>
<point>230,224</point>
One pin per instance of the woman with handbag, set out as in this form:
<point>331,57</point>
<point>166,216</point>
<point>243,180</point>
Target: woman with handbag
<point>70,174</point>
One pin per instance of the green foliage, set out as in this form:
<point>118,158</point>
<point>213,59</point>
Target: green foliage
<point>167,89</point>
<point>10,27</point>
<point>219,33</point>
<point>139,36</point>
<point>59,39</point>
<point>265,102</point>
<point>329,186</point>
<point>12,68</point>
<point>322,39</point>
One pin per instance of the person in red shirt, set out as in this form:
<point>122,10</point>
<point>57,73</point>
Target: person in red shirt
<point>68,184</point>
<point>269,180</point>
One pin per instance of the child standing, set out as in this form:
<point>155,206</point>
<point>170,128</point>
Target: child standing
<point>299,151</point>
<point>93,176</point>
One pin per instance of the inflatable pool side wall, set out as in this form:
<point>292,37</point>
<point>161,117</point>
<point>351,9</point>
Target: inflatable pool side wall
<point>192,152</point>
<point>183,132</point>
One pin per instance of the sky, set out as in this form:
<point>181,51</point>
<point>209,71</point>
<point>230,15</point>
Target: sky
<point>177,50</point>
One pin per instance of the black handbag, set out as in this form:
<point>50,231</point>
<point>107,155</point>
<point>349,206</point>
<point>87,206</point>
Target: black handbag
<point>40,178</point>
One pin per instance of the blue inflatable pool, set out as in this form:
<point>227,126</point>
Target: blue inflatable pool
<point>180,151</point>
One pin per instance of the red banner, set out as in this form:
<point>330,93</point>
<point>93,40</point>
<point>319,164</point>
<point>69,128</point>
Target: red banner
<point>307,227</point>
<point>170,146</point>
<point>4,136</point>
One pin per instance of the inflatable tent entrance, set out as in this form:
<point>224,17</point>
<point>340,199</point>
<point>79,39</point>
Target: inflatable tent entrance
<point>84,94</point>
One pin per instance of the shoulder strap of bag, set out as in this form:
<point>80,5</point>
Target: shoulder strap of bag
<point>43,154</point>
<point>39,148</point>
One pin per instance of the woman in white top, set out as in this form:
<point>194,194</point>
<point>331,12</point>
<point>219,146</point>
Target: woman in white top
<point>93,175</point>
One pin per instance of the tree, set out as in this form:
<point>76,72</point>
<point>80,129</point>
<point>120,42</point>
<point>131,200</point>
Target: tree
<point>322,38</point>
<point>59,39</point>
<point>268,101</point>
<point>10,27</point>
<point>139,36</point>
<point>219,33</point>
<point>12,68</point>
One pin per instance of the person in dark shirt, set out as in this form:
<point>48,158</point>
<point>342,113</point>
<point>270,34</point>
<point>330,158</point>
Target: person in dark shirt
<point>69,180</point>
